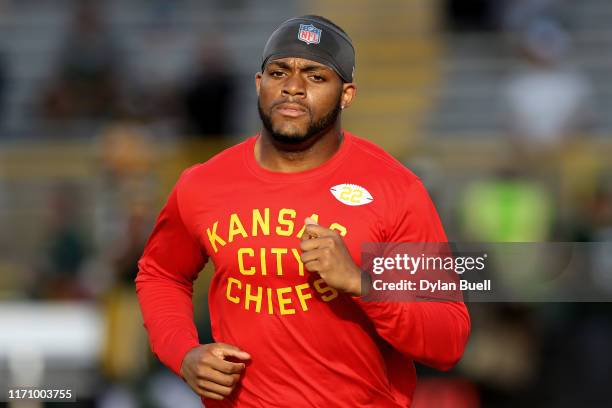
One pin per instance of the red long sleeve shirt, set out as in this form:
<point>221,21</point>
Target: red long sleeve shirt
<point>311,346</point>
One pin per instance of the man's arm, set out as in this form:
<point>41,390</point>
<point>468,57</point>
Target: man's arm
<point>171,262</point>
<point>433,333</point>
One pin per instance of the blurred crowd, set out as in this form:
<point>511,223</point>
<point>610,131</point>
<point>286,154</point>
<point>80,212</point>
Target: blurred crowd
<point>549,186</point>
<point>94,78</point>
<point>94,227</point>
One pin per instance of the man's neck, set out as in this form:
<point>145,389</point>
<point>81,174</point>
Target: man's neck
<point>284,159</point>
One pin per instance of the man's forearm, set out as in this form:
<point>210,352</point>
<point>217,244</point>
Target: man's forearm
<point>167,311</point>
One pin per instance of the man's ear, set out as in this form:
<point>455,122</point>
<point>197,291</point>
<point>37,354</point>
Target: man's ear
<point>258,76</point>
<point>349,90</point>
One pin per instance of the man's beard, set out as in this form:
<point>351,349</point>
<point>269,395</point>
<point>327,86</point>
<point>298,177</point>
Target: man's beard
<point>314,128</point>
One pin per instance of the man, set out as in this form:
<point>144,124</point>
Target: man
<point>282,216</point>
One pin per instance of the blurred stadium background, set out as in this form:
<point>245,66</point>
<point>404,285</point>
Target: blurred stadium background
<point>502,107</point>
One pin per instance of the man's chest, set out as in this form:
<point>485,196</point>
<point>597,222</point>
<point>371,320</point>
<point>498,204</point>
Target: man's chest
<point>255,230</point>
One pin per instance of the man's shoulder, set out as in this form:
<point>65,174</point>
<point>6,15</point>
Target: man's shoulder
<point>378,161</point>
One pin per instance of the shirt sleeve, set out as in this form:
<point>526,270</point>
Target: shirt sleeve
<point>431,332</point>
<point>171,261</point>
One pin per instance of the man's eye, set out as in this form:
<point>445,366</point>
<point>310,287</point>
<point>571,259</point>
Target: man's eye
<point>317,78</point>
<point>276,74</point>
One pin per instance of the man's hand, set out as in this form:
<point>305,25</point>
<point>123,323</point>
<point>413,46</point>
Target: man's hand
<point>207,371</point>
<point>324,252</point>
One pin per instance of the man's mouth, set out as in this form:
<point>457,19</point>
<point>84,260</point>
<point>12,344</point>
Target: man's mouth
<point>292,110</point>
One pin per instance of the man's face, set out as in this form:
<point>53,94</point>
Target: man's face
<point>299,98</point>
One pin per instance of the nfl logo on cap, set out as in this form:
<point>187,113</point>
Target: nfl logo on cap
<point>309,34</point>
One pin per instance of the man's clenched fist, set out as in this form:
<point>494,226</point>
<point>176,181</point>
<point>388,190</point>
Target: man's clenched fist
<point>324,252</point>
<point>207,371</point>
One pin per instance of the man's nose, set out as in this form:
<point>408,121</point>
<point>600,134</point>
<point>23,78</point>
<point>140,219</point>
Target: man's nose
<point>294,86</point>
